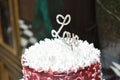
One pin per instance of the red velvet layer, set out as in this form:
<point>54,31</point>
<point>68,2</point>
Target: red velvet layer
<point>92,72</point>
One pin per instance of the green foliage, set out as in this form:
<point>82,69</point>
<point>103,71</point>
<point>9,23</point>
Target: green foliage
<point>108,18</point>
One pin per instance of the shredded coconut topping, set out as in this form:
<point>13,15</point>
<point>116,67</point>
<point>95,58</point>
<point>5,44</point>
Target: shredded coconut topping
<point>55,55</point>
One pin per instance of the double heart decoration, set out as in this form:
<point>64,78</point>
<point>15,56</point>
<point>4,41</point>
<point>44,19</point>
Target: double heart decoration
<point>68,38</point>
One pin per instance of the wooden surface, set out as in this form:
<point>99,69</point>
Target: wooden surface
<point>0,27</point>
<point>1,71</point>
<point>15,48</point>
<point>10,63</point>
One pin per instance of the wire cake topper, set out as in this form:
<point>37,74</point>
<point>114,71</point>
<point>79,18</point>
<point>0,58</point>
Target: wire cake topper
<point>68,38</point>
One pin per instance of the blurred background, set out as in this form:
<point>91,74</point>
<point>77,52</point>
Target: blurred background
<point>25,22</point>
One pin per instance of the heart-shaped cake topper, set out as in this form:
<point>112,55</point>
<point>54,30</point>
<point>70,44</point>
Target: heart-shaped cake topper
<point>64,19</point>
<point>69,39</point>
<point>56,33</point>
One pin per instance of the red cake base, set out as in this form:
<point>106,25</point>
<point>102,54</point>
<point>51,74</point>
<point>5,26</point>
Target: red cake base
<point>92,72</point>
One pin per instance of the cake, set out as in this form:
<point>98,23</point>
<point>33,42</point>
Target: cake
<point>61,58</point>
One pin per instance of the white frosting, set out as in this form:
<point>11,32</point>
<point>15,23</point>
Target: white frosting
<point>55,55</point>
